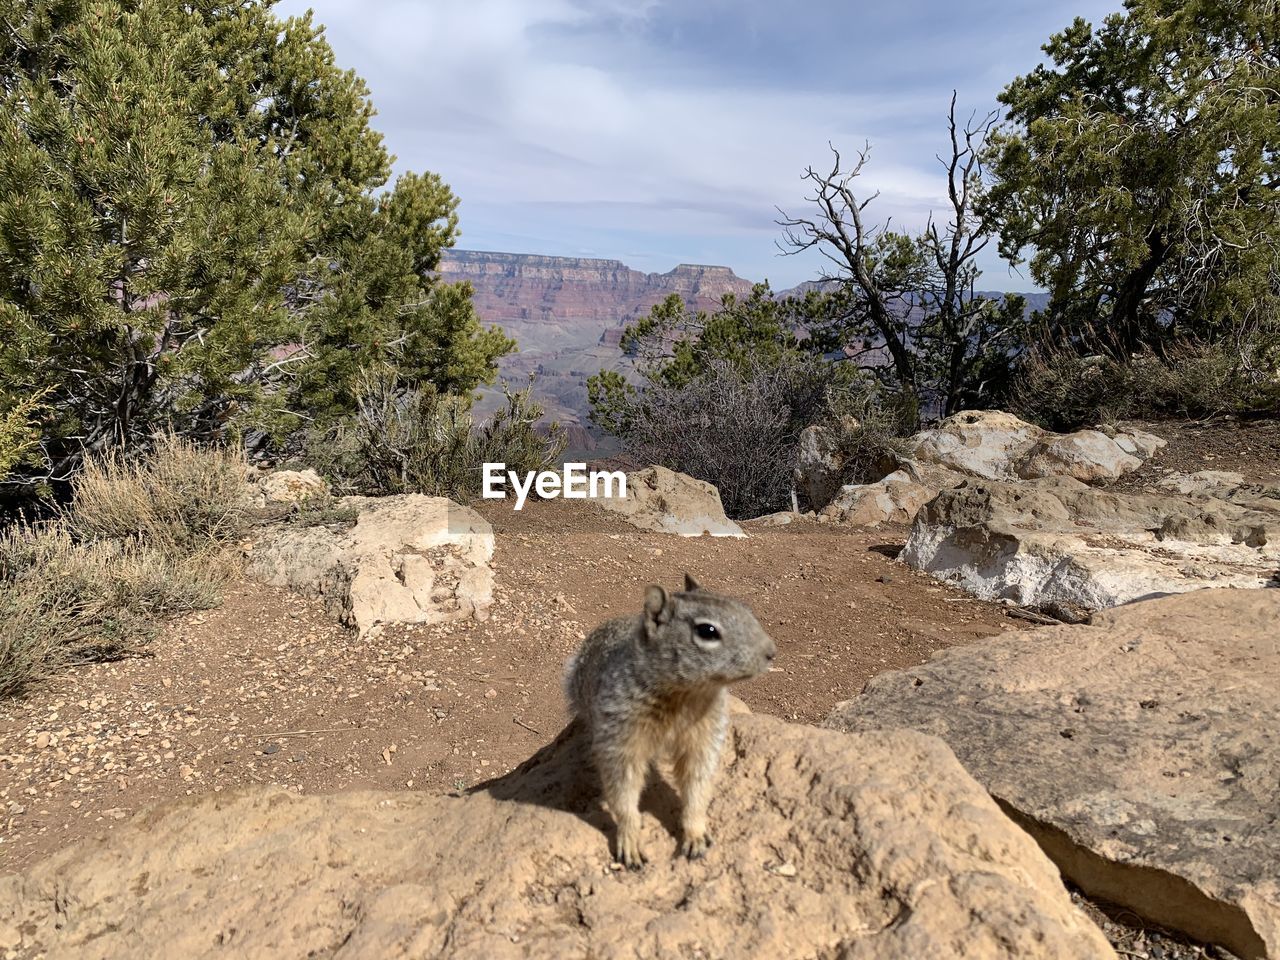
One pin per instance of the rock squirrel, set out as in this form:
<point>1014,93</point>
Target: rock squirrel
<point>654,684</point>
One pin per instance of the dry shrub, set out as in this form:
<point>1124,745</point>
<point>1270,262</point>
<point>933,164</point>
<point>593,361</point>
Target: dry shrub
<point>420,441</point>
<point>65,602</point>
<point>140,541</point>
<point>869,428</point>
<point>178,498</point>
<point>734,426</point>
<point>1059,388</point>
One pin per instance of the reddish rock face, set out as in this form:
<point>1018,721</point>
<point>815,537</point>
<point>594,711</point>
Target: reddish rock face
<point>567,314</point>
<point>576,299</point>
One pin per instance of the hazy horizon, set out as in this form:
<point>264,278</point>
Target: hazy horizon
<point>777,288</point>
<point>656,133</point>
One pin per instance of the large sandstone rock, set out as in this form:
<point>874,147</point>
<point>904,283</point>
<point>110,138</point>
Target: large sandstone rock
<point>976,443</point>
<point>819,470</point>
<point>1055,542</point>
<point>894,499</point>
<point>982,444</point>
<point>865,847</point>
<point>664,501</point>
<point>1142,751</point>
<point>1086,455</point>
<point>408,559</point>
<point>993,445</point>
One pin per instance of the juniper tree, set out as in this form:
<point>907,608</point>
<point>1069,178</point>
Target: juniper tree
<point>674,345</point>
<point>1142,172</point>
<point>192,231</point>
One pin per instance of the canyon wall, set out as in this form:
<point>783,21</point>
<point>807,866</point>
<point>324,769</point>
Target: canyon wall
<point>567,315</point>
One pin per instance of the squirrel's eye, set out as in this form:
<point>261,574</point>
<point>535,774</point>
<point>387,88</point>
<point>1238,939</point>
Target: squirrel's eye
<point>707,631</point>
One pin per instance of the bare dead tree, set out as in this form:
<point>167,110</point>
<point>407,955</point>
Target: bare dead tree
<point>962,327</point>
<point>915,296</point>
<point>841,235</point>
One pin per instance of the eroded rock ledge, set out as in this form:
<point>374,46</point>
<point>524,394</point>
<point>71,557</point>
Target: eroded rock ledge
<point>1142,751</point>
<point>1056,543</point>
<point>873,846</point>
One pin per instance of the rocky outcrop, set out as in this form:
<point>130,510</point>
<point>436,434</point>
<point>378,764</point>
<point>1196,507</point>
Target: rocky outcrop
<point>819,470</point>
<point>285,487</point>
<point>985,444</point>
<point>407,559</point>
<point>1086,455</point>
<point>664,501</point>
<point>1210,485</point>
<point>894,499</point>
<point>994,445</point>
<point>1142,752</point>
<point>865,847</point>
<point>1057,542</point>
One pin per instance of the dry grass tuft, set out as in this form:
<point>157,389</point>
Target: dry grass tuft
<point>140,541</point>
<point>180,497</point>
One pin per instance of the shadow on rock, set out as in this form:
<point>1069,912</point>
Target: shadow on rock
<point>561,777</point>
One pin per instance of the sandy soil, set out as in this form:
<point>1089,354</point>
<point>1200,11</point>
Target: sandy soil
<point>266,689</point>
<point>1249,447</point>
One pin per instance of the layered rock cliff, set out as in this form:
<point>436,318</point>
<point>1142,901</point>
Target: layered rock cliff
<point>576,298</point>
<point>567,315</point>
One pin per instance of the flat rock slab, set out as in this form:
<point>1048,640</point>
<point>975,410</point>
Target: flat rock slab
<point>865,847</point>
<point>1055,542</point>
<point>1142,751</point>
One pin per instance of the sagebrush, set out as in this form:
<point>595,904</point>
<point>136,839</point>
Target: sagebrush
<point>421,441</point>
<point>178,498</point>
<point>140,540</point>
<point>1060,388</point>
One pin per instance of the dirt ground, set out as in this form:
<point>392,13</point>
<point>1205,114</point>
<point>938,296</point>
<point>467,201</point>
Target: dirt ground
<point>267,689</point>
<point>1248,447</point>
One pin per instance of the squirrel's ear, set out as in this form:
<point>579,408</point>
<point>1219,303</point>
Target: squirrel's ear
<point>655,601</point>
<point>691,584</point>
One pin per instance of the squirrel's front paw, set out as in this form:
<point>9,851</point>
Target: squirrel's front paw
<point>695,847</point>
<point>629,852</point>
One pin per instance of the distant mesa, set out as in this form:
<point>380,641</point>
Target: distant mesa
<point>568,314</point>
<point>539,290</point>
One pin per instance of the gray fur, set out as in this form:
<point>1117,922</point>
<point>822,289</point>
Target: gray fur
<point>649,685</point>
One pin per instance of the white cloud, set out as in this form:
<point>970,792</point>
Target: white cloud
<point>484,59</point>
<point>530,109</point>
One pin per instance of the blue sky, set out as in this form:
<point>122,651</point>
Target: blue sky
<point>659,132</point>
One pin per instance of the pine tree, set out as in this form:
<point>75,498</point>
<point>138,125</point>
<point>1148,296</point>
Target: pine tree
<point>191,229</point>
<point>1141,173</point>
